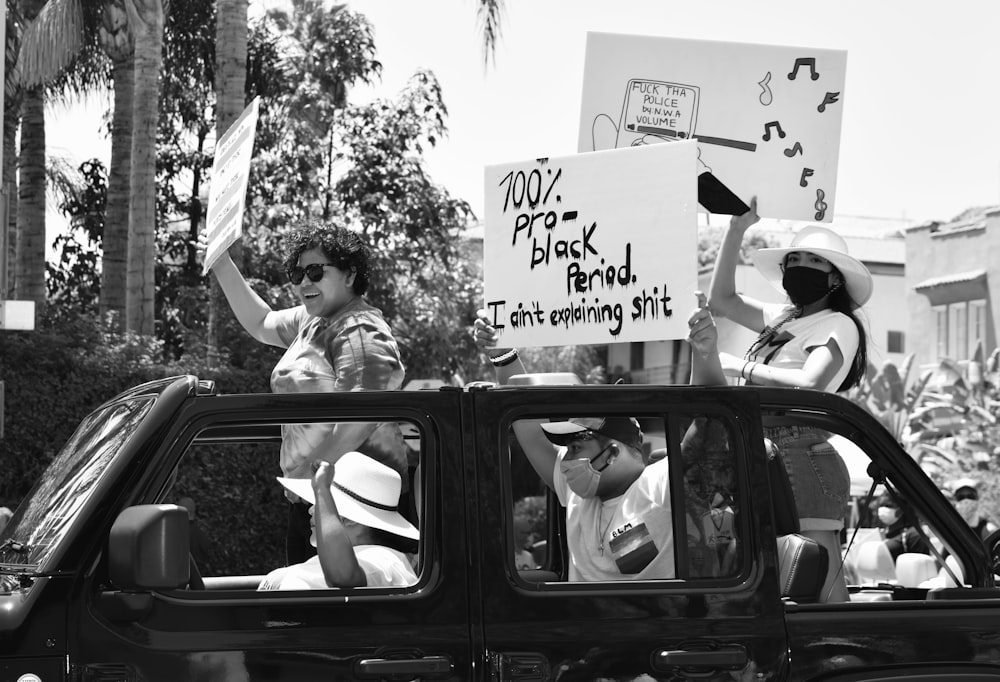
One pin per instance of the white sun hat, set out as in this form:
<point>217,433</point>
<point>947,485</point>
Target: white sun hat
<point>823,242</point>
<point>365,491</point>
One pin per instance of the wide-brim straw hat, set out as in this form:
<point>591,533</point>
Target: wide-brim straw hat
<point>823,242</point>
<point>365,491</point>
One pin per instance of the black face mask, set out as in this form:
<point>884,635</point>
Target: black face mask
<point>805,285</point>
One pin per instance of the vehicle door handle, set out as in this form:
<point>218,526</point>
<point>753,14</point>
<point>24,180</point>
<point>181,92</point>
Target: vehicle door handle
<point>387,667</point>
<point>727,657</point>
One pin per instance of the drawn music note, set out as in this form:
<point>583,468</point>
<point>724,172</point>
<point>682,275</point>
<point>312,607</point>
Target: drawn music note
<point>804,61</point>
<point>796,149</point>
<point>767,130</point>
<point>806,172</point>
<point>766,97</point>
<point>829,98</point>
<point>820,205</point>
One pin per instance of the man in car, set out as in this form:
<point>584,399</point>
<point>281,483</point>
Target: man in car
<point>618,515</point>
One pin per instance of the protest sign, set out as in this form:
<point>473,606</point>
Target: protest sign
<point>592,248</point>
<point>767,118</point>
<point>228,188</point>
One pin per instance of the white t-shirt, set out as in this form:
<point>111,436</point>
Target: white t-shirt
<point>629,537</point>
<point>383,566</point>
<point>794,341</point>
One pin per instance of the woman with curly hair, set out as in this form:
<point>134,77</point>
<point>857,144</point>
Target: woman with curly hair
<point>335,341</point>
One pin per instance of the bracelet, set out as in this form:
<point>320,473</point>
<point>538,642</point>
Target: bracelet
<point>504,359</point>
<point>742,371</point>
<point>750,376</point>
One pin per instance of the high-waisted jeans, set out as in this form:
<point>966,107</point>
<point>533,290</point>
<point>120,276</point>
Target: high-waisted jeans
<point>820,480</point>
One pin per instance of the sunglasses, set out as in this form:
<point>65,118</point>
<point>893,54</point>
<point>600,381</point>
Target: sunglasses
<point>314,271</point>
<point>966,495</point>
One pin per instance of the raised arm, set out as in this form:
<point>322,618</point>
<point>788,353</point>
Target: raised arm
<point>723,297</point>
<point>333,542</point>
<point>250,309</point>
<point>703,336</point>
<point>540,452</point>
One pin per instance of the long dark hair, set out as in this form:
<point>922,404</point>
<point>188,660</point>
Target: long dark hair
<point>840,301</point>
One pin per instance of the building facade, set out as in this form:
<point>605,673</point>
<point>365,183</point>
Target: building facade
<point>953,285</point>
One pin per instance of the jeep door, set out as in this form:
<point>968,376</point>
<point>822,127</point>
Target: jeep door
<point>218,626</point>
<point>714,613</point>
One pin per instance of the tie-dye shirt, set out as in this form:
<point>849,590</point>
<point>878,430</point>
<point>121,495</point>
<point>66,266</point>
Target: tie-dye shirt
<point>352,351</point>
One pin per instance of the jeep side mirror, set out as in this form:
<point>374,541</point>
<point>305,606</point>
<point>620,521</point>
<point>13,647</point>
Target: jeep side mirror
<point>148,548</point>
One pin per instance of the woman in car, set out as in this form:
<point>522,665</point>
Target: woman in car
<point>335,341</point>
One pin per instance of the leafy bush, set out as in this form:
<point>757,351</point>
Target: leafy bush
<point>57,374</point>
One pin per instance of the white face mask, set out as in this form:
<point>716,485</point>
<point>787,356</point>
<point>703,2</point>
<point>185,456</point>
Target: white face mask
<point>887,515</point>
<point>581,477</point>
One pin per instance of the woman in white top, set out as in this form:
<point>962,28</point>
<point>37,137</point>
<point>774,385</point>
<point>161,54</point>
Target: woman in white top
<point>814,341</point>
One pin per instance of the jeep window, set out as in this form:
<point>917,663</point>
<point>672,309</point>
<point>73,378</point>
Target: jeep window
<point>898,557</point>
<point>49,510</point>
<point>692,456</point>
<point>224,527</point>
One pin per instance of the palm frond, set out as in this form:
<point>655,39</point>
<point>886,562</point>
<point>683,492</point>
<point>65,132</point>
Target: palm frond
<point>51,41</point>
<point>490,16</point>
<point>63,180</point>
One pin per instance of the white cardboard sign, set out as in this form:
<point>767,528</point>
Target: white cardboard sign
<point>767,118</point>
<point>592,248</point>
<point>228,188</point>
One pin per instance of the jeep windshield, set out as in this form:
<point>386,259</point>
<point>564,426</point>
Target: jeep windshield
<point>50,509</point>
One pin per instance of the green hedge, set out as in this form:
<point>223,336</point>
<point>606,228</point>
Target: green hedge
<point>57,374</point>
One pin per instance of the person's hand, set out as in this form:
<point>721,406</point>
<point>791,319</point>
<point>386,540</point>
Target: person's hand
<point>323,478</point>
<point>703,335</point>
<point>200,245</point>
<point>741,223</point>
<point>486,335</point>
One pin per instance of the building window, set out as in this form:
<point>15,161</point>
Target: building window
<point>958,335</point>
<point>895,342</point>
<point>941,329</point>
<point>977,328</point>
<point>960,328</point>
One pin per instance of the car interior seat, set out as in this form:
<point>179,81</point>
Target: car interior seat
<point>874,564</point>
<point>802,566</point>
<point>913,568</point>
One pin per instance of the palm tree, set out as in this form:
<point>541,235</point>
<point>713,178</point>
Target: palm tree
<point>59,51</point>
<point>230,100</point>
<point>118,44</point>
<point>490,16</point>
<point>146,19</point>
<point>29,251</point>
<point>51,45</point>
<point>11,117</point>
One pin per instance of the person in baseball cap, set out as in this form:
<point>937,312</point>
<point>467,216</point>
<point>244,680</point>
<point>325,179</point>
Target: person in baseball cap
<point>623,429</point>
<point>618,516</point>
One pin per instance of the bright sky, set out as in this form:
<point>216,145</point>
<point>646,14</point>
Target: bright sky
<point>921,127</point>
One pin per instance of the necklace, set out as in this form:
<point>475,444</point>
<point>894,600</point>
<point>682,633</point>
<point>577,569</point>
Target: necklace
<point>602,533</point>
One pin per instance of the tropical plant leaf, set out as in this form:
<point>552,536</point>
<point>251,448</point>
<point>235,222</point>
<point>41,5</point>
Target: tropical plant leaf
<point>51,41</point>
